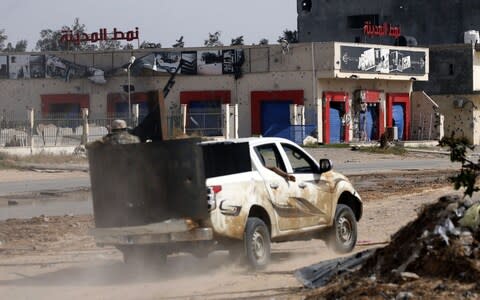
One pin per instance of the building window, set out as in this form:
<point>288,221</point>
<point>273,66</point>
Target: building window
<point>64,105</point>
<point>204,111</point>
<point>358,21</point>
<point>117,104</point>
<point>204,117</point>
<point>306,5</point>
<point>451,70</point>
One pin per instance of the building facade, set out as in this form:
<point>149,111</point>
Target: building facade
<point>426,22</point>
<point>455,85</point>
<point>338,92</point>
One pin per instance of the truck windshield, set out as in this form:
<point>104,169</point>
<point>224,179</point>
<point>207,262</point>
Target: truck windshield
<point>222,159</point>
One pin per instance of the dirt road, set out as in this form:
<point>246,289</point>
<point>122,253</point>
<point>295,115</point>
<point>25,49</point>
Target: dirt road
<point>55,258</point>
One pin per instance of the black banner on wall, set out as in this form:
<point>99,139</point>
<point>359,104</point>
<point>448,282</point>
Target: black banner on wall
<point>382,60</point>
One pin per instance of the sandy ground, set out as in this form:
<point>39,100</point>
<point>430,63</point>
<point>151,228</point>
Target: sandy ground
<point>55,258</point>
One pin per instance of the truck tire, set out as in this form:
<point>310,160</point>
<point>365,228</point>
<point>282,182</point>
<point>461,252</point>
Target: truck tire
<point>257,243</point>
<point>342,236</point>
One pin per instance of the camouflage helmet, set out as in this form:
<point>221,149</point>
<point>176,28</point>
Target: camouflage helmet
<point>119,124</point>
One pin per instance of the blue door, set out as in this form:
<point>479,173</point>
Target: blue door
<point>372,121</point>
<point>275,117</point>
<point>121,109</point>
<point>205,117</point>
<point>398,116</point>
<point>336,128</point>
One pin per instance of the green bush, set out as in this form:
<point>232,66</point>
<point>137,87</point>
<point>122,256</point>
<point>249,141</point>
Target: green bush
<point>469,171</point>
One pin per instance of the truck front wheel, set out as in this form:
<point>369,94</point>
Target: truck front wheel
<point>342,236</point>
<point>257,243</point>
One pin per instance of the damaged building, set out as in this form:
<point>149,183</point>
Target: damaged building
<point>450,29</point>
<point>454,86</point>
<point>334,92</point>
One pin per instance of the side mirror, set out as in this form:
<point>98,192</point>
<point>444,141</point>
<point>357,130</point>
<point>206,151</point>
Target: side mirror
<point>325,165</point>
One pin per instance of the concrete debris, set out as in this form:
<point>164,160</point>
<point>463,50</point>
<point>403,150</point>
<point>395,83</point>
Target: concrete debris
<point>471,218</point>
<point>435,244</point>
<point>404,296</point>
<point>409,276</point>
<point>318,275</point>
<point>443,242</point>
<point>80,151</point>
<point>445,229</point>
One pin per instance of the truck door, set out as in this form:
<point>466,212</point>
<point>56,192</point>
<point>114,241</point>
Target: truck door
<point>314,190</point>
<point>291,210</point>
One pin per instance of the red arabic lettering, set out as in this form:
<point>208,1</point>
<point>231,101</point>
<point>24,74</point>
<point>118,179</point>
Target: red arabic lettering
<point>381,30</point>
<point>101,35</point>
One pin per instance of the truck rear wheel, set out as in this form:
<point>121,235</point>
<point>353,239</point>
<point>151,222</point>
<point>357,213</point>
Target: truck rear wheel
<point>257,243</point>
<point>342,236</point>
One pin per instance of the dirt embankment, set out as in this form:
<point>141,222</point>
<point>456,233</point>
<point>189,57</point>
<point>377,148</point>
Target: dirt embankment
<point>436,256</point>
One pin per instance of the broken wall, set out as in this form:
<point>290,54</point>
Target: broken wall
<point>462,115</point>
<point>427,121</point>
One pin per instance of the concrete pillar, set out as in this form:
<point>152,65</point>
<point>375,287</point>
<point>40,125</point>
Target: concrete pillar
<point>235,121</point>
<point>135,114</point>
<point>301,115</point>
<point>441,124</point>
<point>319,106</point>
<point>31,123</point>
<point>226,120</point>
<point>183,118</point>
<point>85,126</point>
<point>293,114</point>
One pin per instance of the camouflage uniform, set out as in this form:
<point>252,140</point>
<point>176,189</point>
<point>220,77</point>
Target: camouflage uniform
<point>120,137</point>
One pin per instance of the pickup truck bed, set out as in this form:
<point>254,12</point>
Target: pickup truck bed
<point>140,184</point>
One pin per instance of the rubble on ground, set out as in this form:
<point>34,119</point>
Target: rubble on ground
<point>435,256</point>
<point>45,233</point>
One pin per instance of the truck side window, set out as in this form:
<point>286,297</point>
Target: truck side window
<point>299,161</point>
<point>270,157</point>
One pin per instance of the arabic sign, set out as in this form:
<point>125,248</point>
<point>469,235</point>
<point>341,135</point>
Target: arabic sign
<point>382,60</point>
<point>381,30</point>
<point>101,35</point>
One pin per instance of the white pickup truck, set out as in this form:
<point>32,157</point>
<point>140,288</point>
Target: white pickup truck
<point>260,190</point>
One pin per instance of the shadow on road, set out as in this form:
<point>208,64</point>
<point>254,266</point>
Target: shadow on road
<point>115,272</point>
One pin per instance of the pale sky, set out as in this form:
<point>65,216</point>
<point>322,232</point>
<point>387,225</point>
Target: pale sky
<point>158,20</point>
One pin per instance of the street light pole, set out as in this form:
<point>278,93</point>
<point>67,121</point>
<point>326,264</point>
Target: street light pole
<point>132,60</point>
<point>128,86</point>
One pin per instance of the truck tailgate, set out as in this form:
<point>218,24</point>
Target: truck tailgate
<point>139,184</point>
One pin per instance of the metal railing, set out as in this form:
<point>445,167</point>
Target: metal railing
<point>425,126</point>
<point>61,129</point>
<point>205,124</point>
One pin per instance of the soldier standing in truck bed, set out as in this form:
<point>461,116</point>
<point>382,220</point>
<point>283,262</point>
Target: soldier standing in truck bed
<point>119,134</point>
